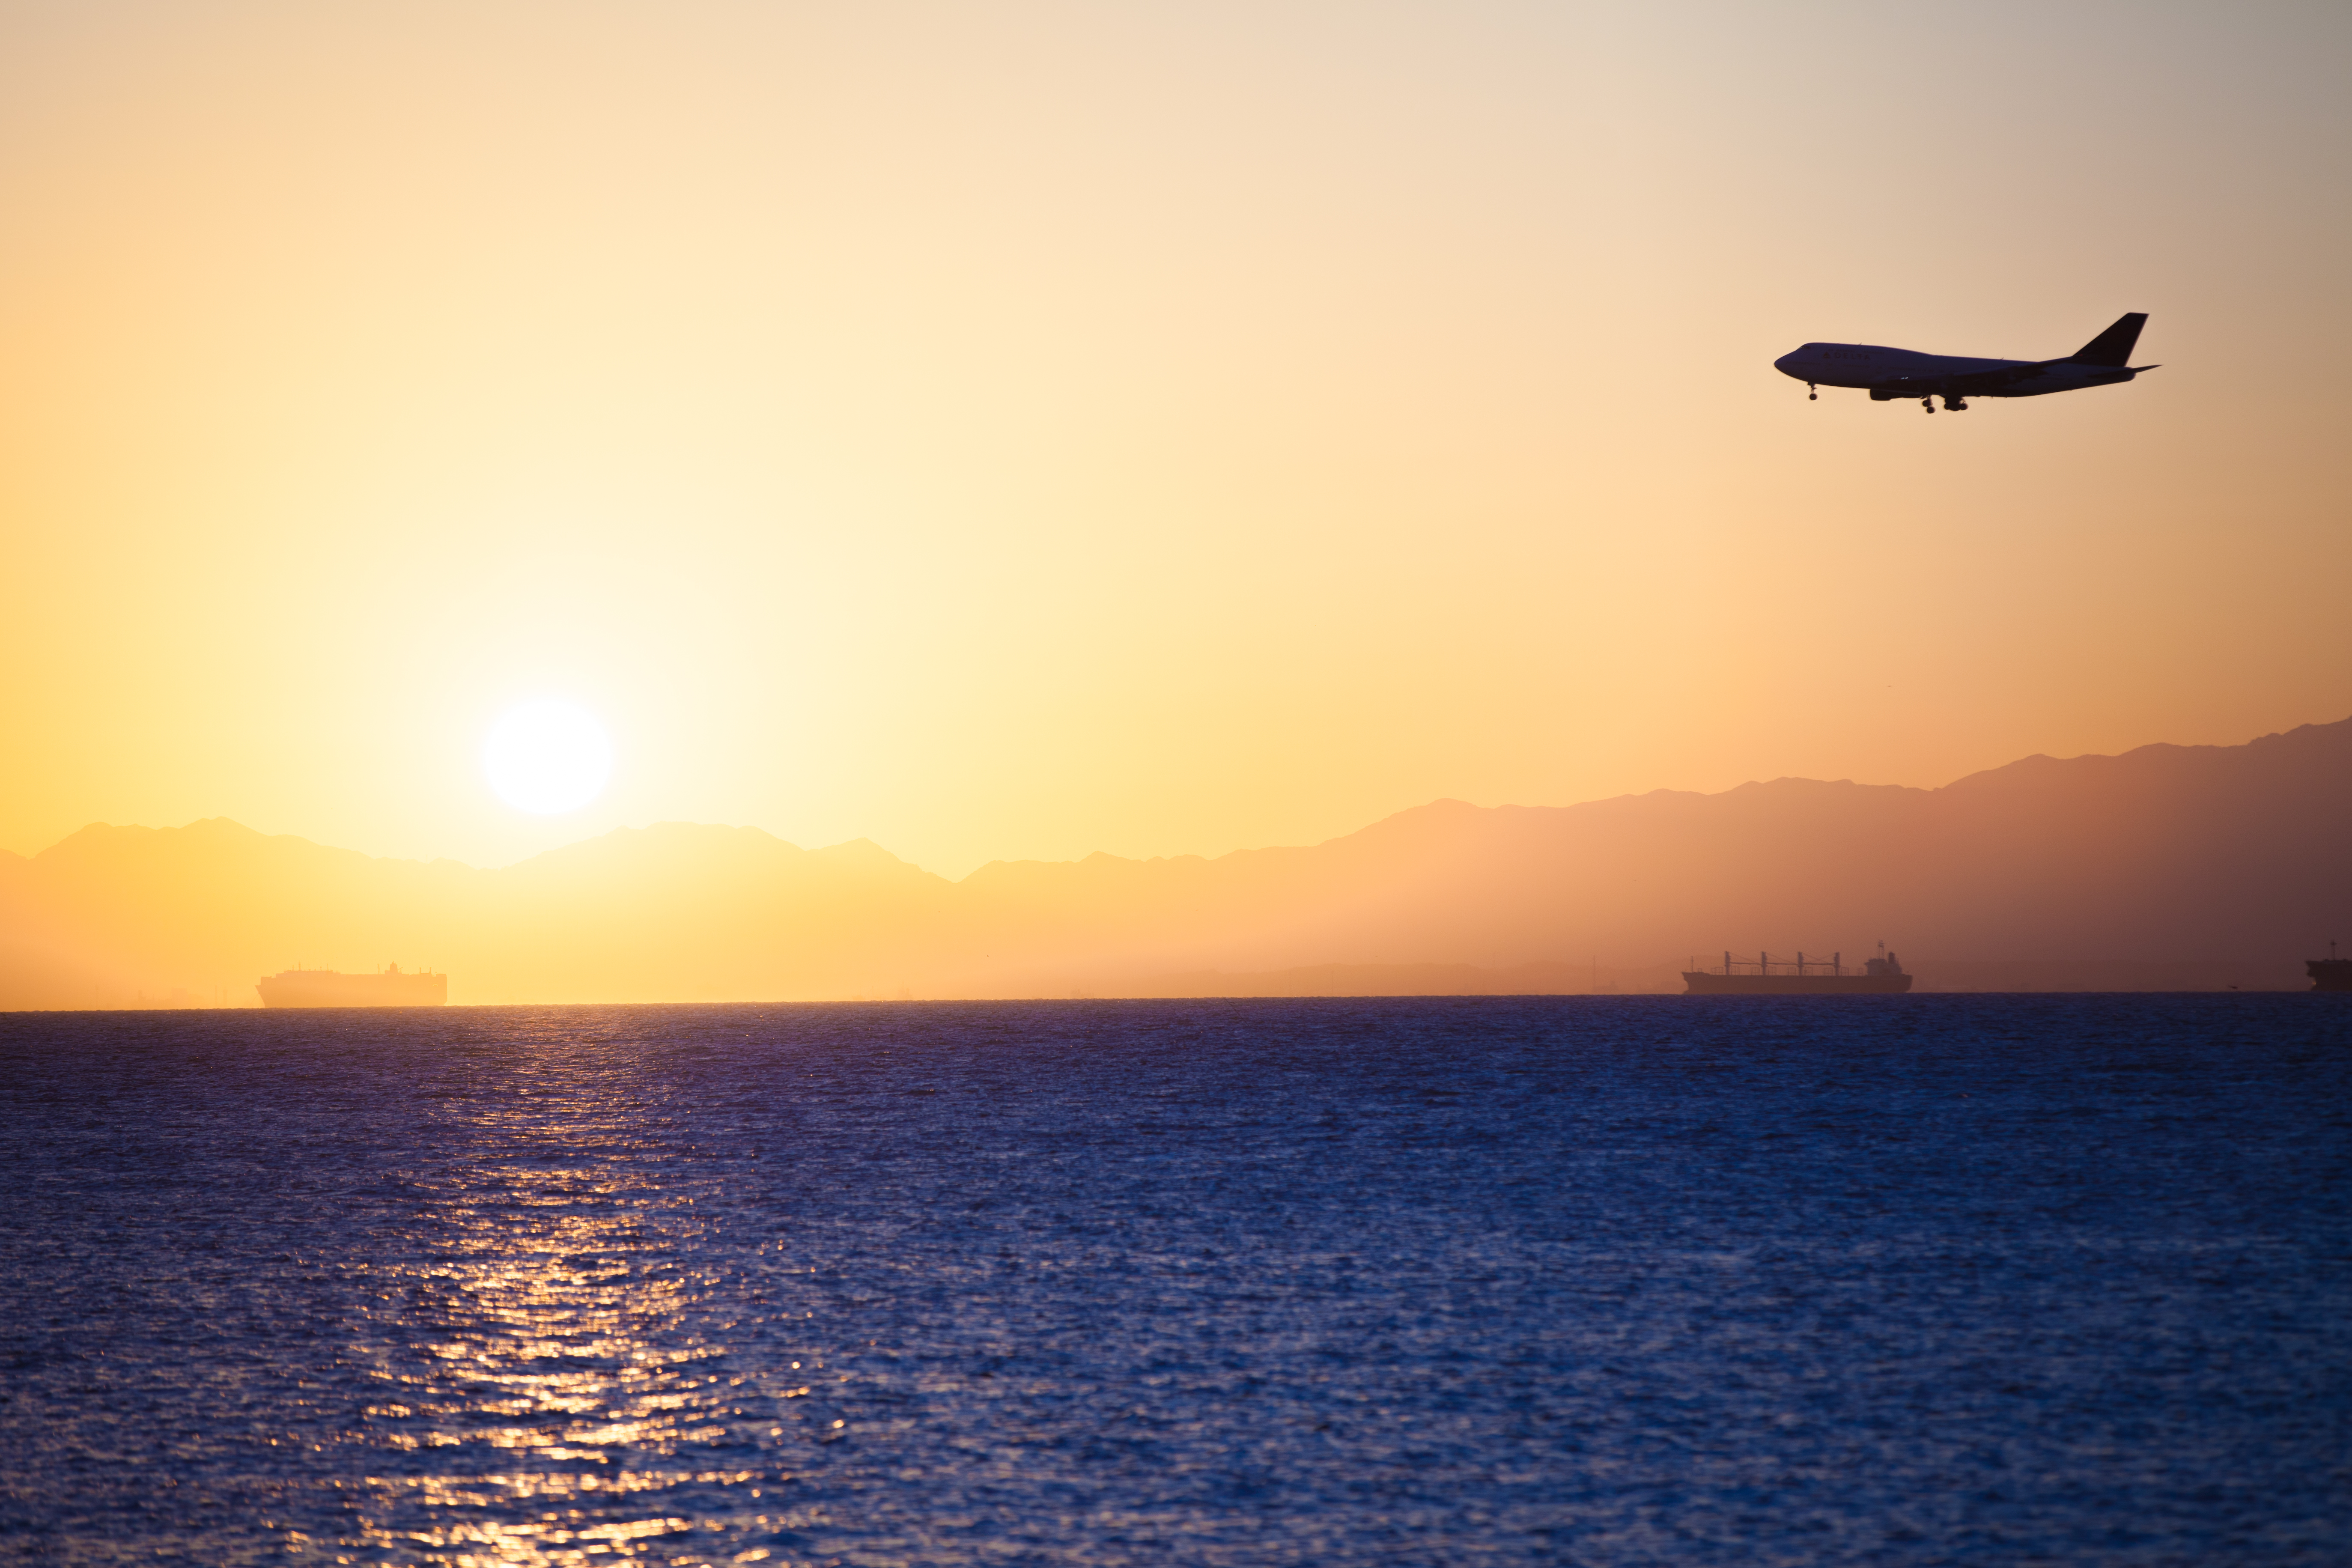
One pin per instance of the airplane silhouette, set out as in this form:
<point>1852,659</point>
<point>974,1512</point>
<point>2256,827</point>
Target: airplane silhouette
<point>1890,374</point>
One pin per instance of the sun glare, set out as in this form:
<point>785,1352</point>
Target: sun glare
<point>547,757</point>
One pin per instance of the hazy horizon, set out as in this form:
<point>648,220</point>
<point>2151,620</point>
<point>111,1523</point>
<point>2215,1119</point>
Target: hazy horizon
<point>2165,867</point>
<point>966,874</point>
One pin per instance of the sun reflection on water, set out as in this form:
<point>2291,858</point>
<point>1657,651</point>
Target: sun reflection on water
<point>549,1393</point>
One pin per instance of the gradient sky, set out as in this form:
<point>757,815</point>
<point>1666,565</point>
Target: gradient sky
<point>1026,429</point>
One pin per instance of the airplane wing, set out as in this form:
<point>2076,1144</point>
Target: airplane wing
<point>1991,381</point>
<point>1981,384</point>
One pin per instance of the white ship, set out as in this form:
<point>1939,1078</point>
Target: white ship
<point>389,987</point>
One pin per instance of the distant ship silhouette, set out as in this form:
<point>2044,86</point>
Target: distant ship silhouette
<point>2329,973</point>
<point>1765,975</point>
<point>330,988</point>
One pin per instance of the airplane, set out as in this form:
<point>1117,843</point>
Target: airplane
<point>1892,374</point>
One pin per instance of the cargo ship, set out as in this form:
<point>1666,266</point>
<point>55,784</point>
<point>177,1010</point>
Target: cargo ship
<point>2329,973</point>
<point>329,988</point>
<point>1765,975</point>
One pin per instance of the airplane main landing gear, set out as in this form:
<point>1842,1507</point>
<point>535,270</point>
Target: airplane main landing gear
<point>1956,405</point>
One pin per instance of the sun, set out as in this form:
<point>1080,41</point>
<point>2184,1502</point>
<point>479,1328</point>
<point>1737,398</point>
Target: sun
<point>547,757</point>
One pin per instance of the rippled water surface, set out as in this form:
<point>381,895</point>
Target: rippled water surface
<point>1814,1280</point>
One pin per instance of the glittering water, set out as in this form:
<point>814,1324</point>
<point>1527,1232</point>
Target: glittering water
<point>1819,1280</point>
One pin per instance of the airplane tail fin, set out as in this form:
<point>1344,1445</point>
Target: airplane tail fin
<point>2114,346</point>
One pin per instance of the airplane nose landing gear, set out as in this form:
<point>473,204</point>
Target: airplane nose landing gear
<point>1811,395</point>
<point>1928,404</point>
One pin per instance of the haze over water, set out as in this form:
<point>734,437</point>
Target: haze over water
<point>1986,1280</point>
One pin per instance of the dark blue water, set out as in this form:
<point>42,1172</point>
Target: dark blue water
<point>1652,1280</point>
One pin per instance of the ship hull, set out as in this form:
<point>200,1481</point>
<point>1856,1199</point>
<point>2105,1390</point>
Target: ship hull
<point>326,988</point>
<point>1701,983</point>
<point>2329,973</point>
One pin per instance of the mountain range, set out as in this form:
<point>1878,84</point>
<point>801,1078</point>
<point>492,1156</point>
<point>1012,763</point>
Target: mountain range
<point>2165,867</point>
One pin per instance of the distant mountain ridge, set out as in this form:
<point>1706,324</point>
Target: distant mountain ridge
<point>2236,857</point>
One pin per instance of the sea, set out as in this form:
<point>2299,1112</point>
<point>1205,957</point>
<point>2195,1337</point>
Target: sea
<point>1596,1280</point>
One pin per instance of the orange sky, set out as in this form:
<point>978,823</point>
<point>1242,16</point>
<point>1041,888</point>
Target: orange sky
<point>1021,430</point>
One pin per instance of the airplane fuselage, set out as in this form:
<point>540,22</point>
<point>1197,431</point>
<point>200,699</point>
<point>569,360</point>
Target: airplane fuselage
<point>1889,373</point>
<point>1905,373</point>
